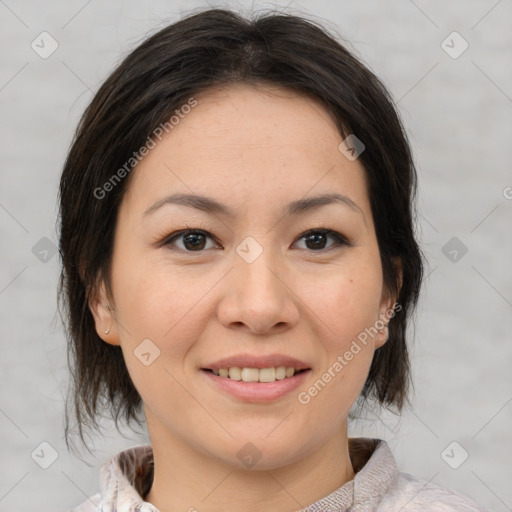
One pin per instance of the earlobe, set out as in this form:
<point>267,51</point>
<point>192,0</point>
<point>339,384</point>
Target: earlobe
<point>389,302</point>
<point>383,334</point>
<point>104,319</point>
<point>387,310</point>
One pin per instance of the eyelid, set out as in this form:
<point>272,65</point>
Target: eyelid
<point>176,235</point>
<point>342,240</point>
<point>325,230</point>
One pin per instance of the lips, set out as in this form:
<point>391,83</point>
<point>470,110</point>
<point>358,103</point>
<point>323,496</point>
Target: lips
<point>255,392</point>
<point>256,378</point>
<point>259,362</point>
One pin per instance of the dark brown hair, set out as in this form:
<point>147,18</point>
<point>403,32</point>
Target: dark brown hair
<point>206,49</point>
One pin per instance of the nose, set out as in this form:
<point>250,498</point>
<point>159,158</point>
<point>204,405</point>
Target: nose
<point>257,297</point>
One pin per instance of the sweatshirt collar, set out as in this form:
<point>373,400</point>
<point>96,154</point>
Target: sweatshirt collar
<point>128,476</point>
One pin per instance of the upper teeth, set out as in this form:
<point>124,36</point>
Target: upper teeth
<point>256,374</point>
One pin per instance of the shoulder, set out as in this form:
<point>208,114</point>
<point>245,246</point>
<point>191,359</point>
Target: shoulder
<point>91,504</point>
<point>412,494</point>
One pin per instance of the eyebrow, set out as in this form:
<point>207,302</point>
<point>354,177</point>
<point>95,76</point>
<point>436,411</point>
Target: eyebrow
<point>210,205</point>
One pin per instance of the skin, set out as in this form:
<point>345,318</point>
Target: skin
<point>254,149</point>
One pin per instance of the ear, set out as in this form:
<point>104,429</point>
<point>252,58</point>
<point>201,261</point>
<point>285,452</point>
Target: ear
<point>103,313</point>
<point>388,308</point>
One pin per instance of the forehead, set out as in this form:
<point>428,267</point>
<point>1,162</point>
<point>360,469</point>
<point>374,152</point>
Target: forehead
<point>245,142</point>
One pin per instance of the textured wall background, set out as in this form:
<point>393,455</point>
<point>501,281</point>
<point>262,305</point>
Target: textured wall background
<point>457,107</point>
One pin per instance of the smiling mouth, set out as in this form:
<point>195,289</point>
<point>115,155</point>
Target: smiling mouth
<point>256,374</point>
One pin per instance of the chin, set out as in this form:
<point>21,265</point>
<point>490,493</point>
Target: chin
<point>262,451</point>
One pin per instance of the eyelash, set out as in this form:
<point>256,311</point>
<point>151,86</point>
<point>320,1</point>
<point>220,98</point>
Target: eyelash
<point>340,239</point>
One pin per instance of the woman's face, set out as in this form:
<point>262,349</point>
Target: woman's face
<point>252,286</point>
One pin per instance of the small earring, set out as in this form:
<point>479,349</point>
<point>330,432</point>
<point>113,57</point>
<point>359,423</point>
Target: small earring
<point>107,331</point>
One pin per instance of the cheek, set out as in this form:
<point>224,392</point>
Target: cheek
<point>163,307</point>
<point>346,304</point>
<point>346,310</point>
<point>347,301</point>
<point>161,302</point>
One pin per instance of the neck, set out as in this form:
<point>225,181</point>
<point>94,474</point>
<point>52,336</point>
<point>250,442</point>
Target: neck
<point>188,480</point>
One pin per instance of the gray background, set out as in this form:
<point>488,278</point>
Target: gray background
<point>458,114</point>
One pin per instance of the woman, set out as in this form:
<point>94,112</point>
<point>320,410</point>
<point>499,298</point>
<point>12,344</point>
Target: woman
<point>239,266</point>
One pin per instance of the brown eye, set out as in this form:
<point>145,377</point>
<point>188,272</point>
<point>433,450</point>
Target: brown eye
<point>192,240</point>
<point>316,239</point>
